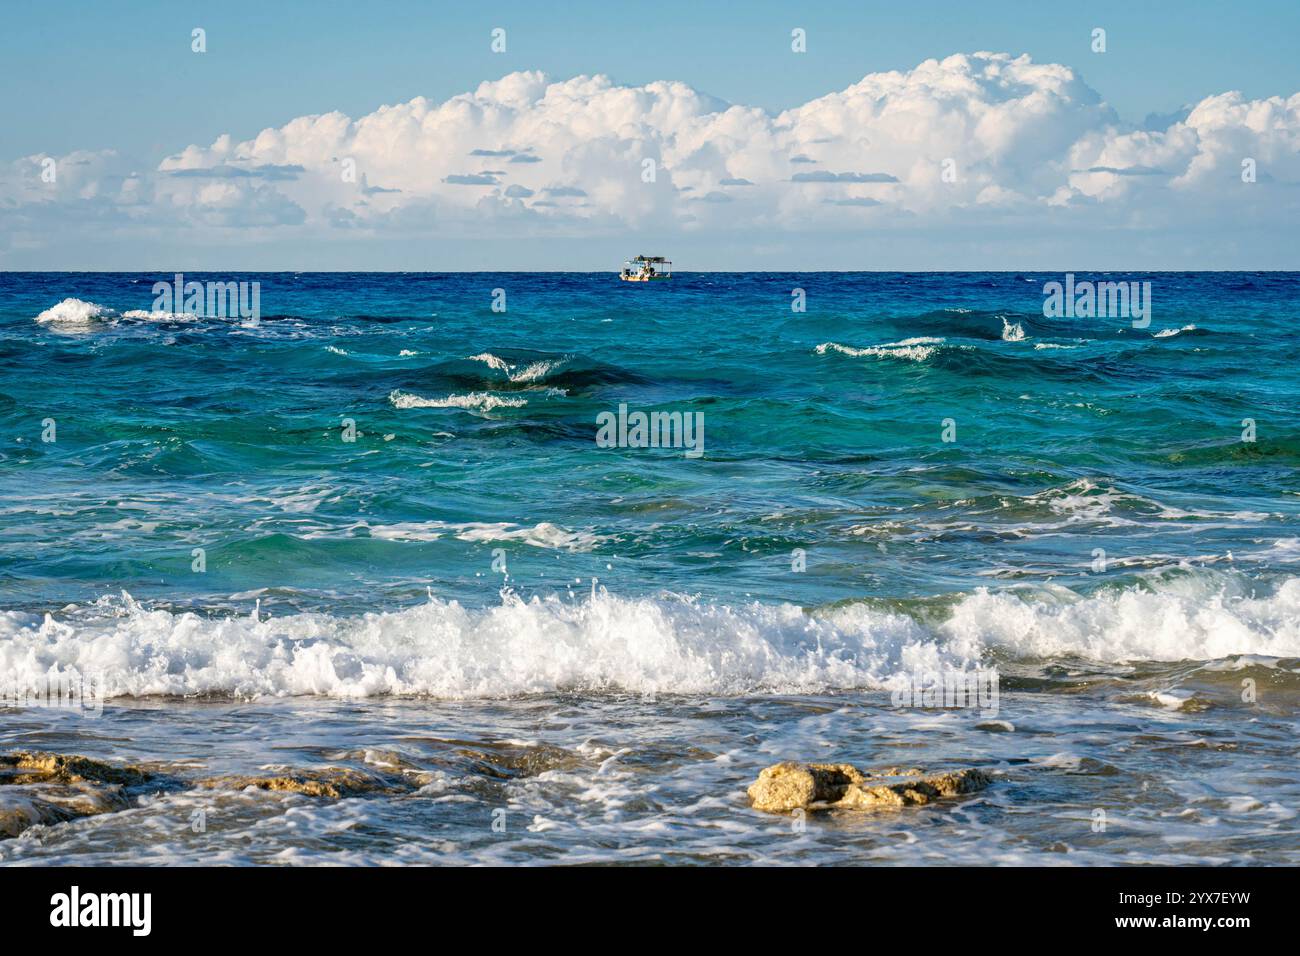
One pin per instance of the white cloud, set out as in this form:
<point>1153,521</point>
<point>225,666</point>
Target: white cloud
<point>529,155</point>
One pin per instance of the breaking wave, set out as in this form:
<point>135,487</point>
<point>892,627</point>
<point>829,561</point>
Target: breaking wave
<point>474,401</point>
<point>75,315</point>
<point>78,315</point>
<point>529,372</point>
<point>664,644</point>
<point>913,350</point>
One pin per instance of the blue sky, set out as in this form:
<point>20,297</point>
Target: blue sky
<point>121,76</point>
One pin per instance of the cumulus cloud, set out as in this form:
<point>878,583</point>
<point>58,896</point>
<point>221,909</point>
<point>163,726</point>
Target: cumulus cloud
<point>972,137</point>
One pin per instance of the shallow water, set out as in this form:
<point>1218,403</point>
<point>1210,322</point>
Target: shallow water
<point>625,779</point>
<point>1098,532</point>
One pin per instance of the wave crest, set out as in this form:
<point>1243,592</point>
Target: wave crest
<point>665,644</point>
<point>75,315</point>
<point>474,401</point>
<point>913,350</point>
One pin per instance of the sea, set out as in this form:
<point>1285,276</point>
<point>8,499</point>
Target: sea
<point>547,566</point>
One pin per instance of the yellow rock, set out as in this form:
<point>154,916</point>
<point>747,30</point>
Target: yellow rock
<point>34,765</point>
<point>332,782</point>
<point>43,788</point>
<point>820,786</point>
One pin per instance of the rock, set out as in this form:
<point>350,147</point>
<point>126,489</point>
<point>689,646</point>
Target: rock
<point>18,811</point>
<point>332,782</point>
<point>915,791</point>
<point>42,788</point>
<point>823,786</point>
<point>31,766</point>
<point>786,786</point>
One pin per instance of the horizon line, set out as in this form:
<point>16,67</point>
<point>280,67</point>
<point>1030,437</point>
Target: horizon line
<point>1073,269</point>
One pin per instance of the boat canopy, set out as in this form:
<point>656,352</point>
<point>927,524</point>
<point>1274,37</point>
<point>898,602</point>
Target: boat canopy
<point>647,269</point>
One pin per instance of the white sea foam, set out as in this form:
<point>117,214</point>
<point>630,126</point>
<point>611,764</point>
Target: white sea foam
<point>532,372</point>
<point>1167,333</point>
<point>1171,699</point>
<point>536,370</point>
<point>75,315</point>
<point>915,349</point>
<point>541,535</point>
<point>1086,500</point>
<point>150,315</point>
<point>473,401</point>
<point>1285,550</point>
<point>78,315</point>
<point>665,644</point>
<point>1012,333</point>
<point>1192,617</point>
<point>490,360</point>
<point>442,649</point>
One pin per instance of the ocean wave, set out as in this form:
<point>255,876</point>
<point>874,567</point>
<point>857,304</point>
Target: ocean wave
<point>490,360</point>
<point>530,372</point>
<point>1085,500</point>
<point>914,350</point>
<point>1012,332</point>
<point>1203,616</point>
<point>541,535</point>
<point>474,401</point>
<point>75,315</point>
<point>157,315</point>
<point>505,370</point>
<point>666,644</point>
<point>442,649</point>
<point>535,371</point>
<point>984,324</point>
<point>78,315</point>
<point>1169,333</point>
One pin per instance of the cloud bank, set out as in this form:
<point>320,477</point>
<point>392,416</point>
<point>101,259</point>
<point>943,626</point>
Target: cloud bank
<point>984,141</point>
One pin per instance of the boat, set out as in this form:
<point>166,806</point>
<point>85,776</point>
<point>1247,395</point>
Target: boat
<point>646,269</point>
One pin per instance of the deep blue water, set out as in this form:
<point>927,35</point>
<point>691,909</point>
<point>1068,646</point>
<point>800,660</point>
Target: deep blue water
<point>1085,434</point>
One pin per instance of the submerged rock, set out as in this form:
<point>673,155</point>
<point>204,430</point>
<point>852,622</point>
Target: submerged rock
<point>34,766</point>
<point>38,787</point>
<point>826,786</point>
<point>332,782</point>
<point>47,788</point>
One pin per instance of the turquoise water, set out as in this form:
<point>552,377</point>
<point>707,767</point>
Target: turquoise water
<point>473,566</point>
